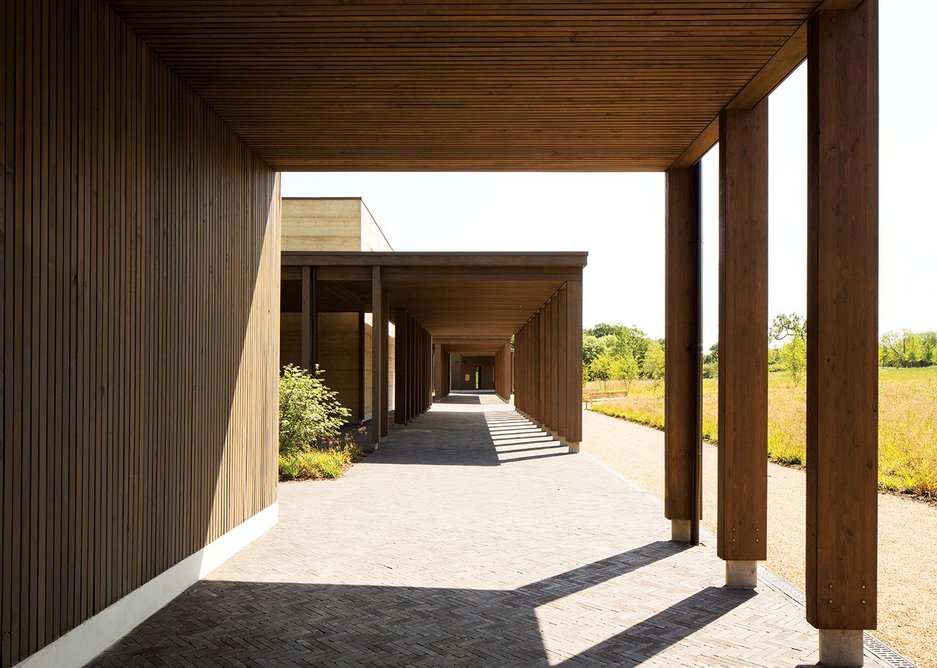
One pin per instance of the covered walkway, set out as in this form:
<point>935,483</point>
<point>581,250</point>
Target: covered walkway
<point>470,538</point>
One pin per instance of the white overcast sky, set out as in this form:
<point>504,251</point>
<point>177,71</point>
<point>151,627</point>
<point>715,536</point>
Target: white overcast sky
<point>619,217</point>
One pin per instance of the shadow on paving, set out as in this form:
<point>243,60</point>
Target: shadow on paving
<point>257,623</point>
<point>471,438</point>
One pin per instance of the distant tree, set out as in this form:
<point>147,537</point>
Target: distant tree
<point>653,364</point>
<point>908,349</point>
<point>591,348</point>
<point>792,329</point>
<point>712,357</point>
<point>601,369</point>
<point>711,362</point>
<point>929,344</point>
<point>625,369</point>
<point>604,329</point>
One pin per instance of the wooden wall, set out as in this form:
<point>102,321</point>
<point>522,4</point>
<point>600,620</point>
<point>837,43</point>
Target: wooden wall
<point>140,271</point>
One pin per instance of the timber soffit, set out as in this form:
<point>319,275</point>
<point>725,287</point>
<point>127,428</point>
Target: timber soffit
<point>535,85</point>
<point>475,295</point>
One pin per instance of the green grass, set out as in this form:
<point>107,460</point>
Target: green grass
<point>907,422</point>
<point>318,464</point>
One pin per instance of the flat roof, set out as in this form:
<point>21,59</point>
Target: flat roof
<point>522,85</point>
<point>456,295</point>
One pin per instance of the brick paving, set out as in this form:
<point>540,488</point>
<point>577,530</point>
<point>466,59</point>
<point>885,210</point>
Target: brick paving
<point>469,539</point>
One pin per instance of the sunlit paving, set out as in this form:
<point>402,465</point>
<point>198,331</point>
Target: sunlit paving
<point>469,552</point>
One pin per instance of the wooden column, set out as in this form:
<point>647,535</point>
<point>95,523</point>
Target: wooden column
<point>842,314</point>
<point>400,366</point>
<point>309,323</point>
<point>428,387</point>
<point>439,372</point>
<point>385,363</point>
<point>361,353</point>
<point>377,358</point>
<point>683,336</point>
<point>563,385</point>
<point>447,374</point>
<point>412,368</point>
<point>743,351</point>
<point>504,373</point>
<point>574,364</point>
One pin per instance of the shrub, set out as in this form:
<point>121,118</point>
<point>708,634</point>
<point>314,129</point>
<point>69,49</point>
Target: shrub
<point>309,411</point>
<point>318,464</point>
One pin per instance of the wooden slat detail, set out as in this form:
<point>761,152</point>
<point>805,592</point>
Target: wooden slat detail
<point>139,309</point>
<point>743,324</point>
<point>683,336</point>
<point>769,77</point>
<point>842,317</point>
<point>526,85</point>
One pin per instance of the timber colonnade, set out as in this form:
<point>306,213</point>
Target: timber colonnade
<point>444,303</point>
<point>141,145</point>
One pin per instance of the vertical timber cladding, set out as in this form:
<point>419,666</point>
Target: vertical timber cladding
<point>140,321</point>
<point>683,336</point>
<point>743,322</point>
<point>842,312</point>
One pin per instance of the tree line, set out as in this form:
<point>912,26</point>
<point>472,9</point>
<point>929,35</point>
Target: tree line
<point>622,353</point>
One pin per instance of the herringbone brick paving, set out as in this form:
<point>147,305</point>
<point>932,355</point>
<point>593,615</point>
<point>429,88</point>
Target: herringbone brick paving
<point>470,539</point>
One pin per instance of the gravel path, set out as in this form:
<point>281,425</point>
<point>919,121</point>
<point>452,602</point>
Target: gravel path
<point>907,618</point>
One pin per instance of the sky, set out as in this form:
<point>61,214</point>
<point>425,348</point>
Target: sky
<point>619,217</point>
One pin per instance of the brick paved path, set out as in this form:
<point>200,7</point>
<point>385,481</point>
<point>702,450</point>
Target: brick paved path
<point>470,539</point>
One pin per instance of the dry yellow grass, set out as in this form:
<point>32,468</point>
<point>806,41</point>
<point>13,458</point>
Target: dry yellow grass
<point>907,422</point>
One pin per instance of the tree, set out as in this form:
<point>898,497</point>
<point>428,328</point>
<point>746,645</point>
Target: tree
<point>625,369</point>
<point>601,369</point>
<point>654,361</point>
<point>711,362</point>
<point>908,349</point>
<point>591,348</point>
<point>793,329</point>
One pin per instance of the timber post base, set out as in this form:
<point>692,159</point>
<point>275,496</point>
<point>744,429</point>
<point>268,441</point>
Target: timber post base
<point>840,647</point>
<point>680,531</point>
<point>742,574</point>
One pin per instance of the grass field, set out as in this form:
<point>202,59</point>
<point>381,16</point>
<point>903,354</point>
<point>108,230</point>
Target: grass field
<point>907,422</point>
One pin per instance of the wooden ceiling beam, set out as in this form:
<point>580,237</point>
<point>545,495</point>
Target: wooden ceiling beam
<point>769,77</point>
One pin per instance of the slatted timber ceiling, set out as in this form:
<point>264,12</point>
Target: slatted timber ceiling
<point>451,294</point>
<point>345,85</point>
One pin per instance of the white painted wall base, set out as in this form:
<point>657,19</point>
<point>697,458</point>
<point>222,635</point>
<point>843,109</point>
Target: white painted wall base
<point>94,635</point>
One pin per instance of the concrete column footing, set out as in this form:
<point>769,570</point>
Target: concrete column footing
<point>680,531</point>
<point>742,574</point>
<point>573,447</point>
<point>839,647</point>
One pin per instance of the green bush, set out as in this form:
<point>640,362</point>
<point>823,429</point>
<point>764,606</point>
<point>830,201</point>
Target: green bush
<point>309,411</point>
<point>318,464</point>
